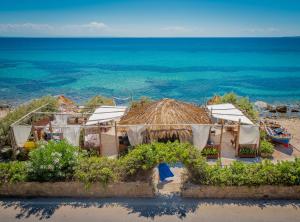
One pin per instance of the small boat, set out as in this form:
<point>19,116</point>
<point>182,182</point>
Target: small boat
<point>279,135</point>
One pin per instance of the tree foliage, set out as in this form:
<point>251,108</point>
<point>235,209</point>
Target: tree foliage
<point>98,101</point>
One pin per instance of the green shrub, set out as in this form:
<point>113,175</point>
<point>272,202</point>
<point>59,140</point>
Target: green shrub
<point>266,147</point>
<point>209,151</point>
<point>252,174</point>
<point>247,150</point>
<point>22,111</point>
<point>53,161</point>
<point>140,161</point>
<point>141,102</point>
<point>263,134</point>
<point>98,101</point>
<point>13,172</point>
<point>96,169</point>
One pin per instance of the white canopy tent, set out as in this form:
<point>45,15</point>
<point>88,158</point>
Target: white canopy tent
<point>105,114</point>
<point>228,112</point>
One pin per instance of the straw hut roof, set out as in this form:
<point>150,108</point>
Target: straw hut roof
<point>214,100</point>
<point>166,111</point>
<point>62,100</point>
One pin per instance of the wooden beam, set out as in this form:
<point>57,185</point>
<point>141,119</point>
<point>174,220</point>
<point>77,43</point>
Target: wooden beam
<point>13,143</point>
<point>237,143</point>
<point>100,139</point>
<point>221,136</point>
<point>116,138</point>
<point>28,114</point>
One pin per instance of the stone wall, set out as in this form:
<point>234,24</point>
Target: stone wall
<point>76,189</point>
<point>240,192</point>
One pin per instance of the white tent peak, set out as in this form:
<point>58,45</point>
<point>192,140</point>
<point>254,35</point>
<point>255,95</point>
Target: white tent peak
<point>106,113</point>
<point>228,112</point>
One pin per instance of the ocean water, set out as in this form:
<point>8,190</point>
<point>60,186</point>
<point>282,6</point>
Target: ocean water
<point>190,69</point>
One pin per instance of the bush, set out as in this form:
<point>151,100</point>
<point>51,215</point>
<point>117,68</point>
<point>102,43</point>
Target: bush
<point>22,111</point>
<point>266,147</point>
<point>97,169</point>
<point>98,101</point>
<point>140,161</point>
<point>254,174</point>
<point>53,161</point>
<point>209,151</point>
<point>13,172</point>
<point>263,135</point>
<point>141,102</point>
<point>247,150</point>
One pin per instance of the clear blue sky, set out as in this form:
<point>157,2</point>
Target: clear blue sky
<point>152,18</point>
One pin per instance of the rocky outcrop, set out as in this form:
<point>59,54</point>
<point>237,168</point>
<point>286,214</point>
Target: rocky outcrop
<point>282,109</point>
<point>261,105</point>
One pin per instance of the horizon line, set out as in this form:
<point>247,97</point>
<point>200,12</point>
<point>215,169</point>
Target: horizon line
<point>148,37</point>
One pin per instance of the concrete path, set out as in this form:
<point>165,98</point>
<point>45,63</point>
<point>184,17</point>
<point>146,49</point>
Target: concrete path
<point>172,185</point>
<point>147,209</point>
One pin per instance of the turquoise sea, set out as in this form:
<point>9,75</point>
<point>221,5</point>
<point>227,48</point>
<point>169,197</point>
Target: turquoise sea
<point>190,69</point>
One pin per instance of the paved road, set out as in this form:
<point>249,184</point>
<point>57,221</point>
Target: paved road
<point>147,209</point>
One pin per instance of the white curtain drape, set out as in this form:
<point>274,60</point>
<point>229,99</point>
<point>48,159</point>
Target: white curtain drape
<point>200,135</point>
<point>72,134</point>
<point>135,134</point>
<point>249,134</point>
<point>21,134</point>
<point>92,140</point>
<point>61,119</point>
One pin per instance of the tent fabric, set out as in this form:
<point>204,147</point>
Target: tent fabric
<point>135,134</point>
<point>249,134</point>
<point>61,119</point>
<point>106,113</point>
<point>21,134</point>
<point>228,112</point>
<point>92,140</point>
<point>200,135</point>
<point>72,134</point>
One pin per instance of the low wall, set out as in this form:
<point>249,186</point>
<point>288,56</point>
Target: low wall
<point>241,192</point>
<point>77,189</point>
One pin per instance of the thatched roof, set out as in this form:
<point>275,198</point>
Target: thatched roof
<point>166,111</point>
<point>62,100</point>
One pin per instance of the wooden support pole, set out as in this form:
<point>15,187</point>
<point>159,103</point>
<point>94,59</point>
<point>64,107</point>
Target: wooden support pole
<point>221,137</point>
<point>51,130</point>
<point>116,138</point>
<point>35,137</point>
<point>237,138</point>
<point>13,143</point>
<point>258,145</point>
<point>100,139</point>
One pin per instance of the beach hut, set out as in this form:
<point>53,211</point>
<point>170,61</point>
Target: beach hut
<point>163,120</point>
<point>245,132</point>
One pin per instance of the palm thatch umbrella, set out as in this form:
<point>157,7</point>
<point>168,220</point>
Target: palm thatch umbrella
<point>163,112</point>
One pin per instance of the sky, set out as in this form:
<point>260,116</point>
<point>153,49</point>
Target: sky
<point>152,18</point>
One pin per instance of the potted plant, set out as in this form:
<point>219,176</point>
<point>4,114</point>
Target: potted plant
<point>247,151</point>
<point>210,152</point>
<point>266,149</point>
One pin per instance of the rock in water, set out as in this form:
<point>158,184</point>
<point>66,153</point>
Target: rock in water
<point>281,109</point>
<point>294,110</point>
<point>261,104</point>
